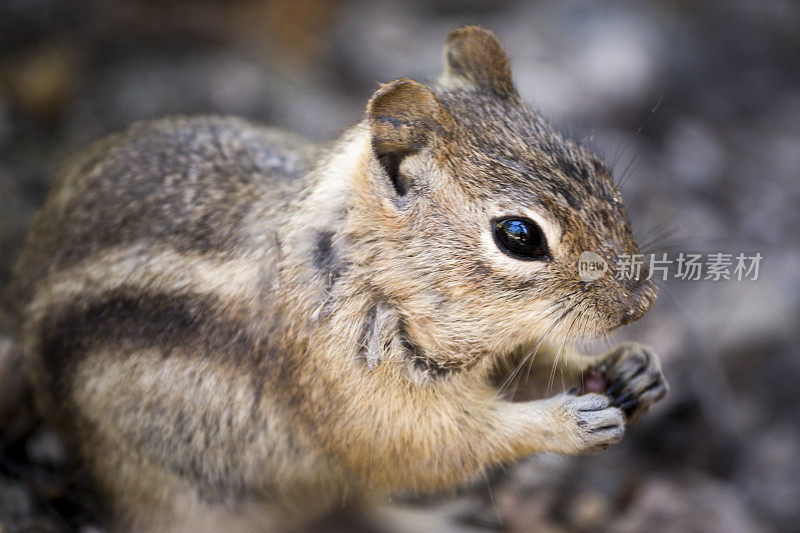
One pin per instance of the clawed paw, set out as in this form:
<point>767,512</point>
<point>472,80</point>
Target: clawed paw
<point>632,377</point>
<point>597,423</point>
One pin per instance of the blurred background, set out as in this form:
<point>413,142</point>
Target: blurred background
<point>697,104</point>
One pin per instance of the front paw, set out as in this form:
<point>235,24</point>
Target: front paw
<point>594,424</point>
<point>632,376</point>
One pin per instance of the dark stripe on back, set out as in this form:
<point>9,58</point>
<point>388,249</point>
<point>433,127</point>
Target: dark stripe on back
<point>135,321</point>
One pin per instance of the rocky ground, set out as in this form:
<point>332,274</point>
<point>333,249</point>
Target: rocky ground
<point>698,104</point>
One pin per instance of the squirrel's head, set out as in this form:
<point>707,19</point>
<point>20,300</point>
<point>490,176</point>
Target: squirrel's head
<point>475,213</point>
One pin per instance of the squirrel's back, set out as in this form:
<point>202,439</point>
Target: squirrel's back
<point>161,184</point>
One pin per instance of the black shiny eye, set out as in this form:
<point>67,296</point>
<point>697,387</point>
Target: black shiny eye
<point>520,238</point>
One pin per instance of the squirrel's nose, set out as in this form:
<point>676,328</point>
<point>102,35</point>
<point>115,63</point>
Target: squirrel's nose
<point>641,298</point>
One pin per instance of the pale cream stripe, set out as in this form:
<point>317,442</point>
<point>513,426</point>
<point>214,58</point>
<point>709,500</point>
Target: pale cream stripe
<point>161,270</point>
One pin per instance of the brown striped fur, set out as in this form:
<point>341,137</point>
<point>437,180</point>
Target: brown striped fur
<point>230,323</point>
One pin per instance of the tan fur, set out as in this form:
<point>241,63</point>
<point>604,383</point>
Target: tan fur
<point>231,324</point>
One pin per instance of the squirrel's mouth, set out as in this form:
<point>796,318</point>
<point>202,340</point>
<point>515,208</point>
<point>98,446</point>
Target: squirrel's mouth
<point>600,311</point>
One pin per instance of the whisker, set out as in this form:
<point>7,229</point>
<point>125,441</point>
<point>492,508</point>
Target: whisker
<point>531,354</point>
<point>629,168</point>
<point>561,347</point>
<point>557,305</point>
<point>529,358</point>
<point>638,132</point>
<point>659,233</point>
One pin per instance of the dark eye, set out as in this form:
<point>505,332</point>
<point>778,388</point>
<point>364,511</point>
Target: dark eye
<point>520,238</point>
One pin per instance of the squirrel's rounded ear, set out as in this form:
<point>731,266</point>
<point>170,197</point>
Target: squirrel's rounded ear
<point>474,58</point>
<point>402,116</point>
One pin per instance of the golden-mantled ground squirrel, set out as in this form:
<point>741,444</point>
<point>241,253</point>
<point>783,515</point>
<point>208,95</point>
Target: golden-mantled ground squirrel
<point>229,322</point>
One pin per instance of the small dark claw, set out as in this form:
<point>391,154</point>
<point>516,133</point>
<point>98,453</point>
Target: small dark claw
<point>642,367</point>
<point>662,391</point>
<point>630,406</point>
<point>614,387</point>
<point>618,401</point>
<point>658,387</point>
<point>629,414</point>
